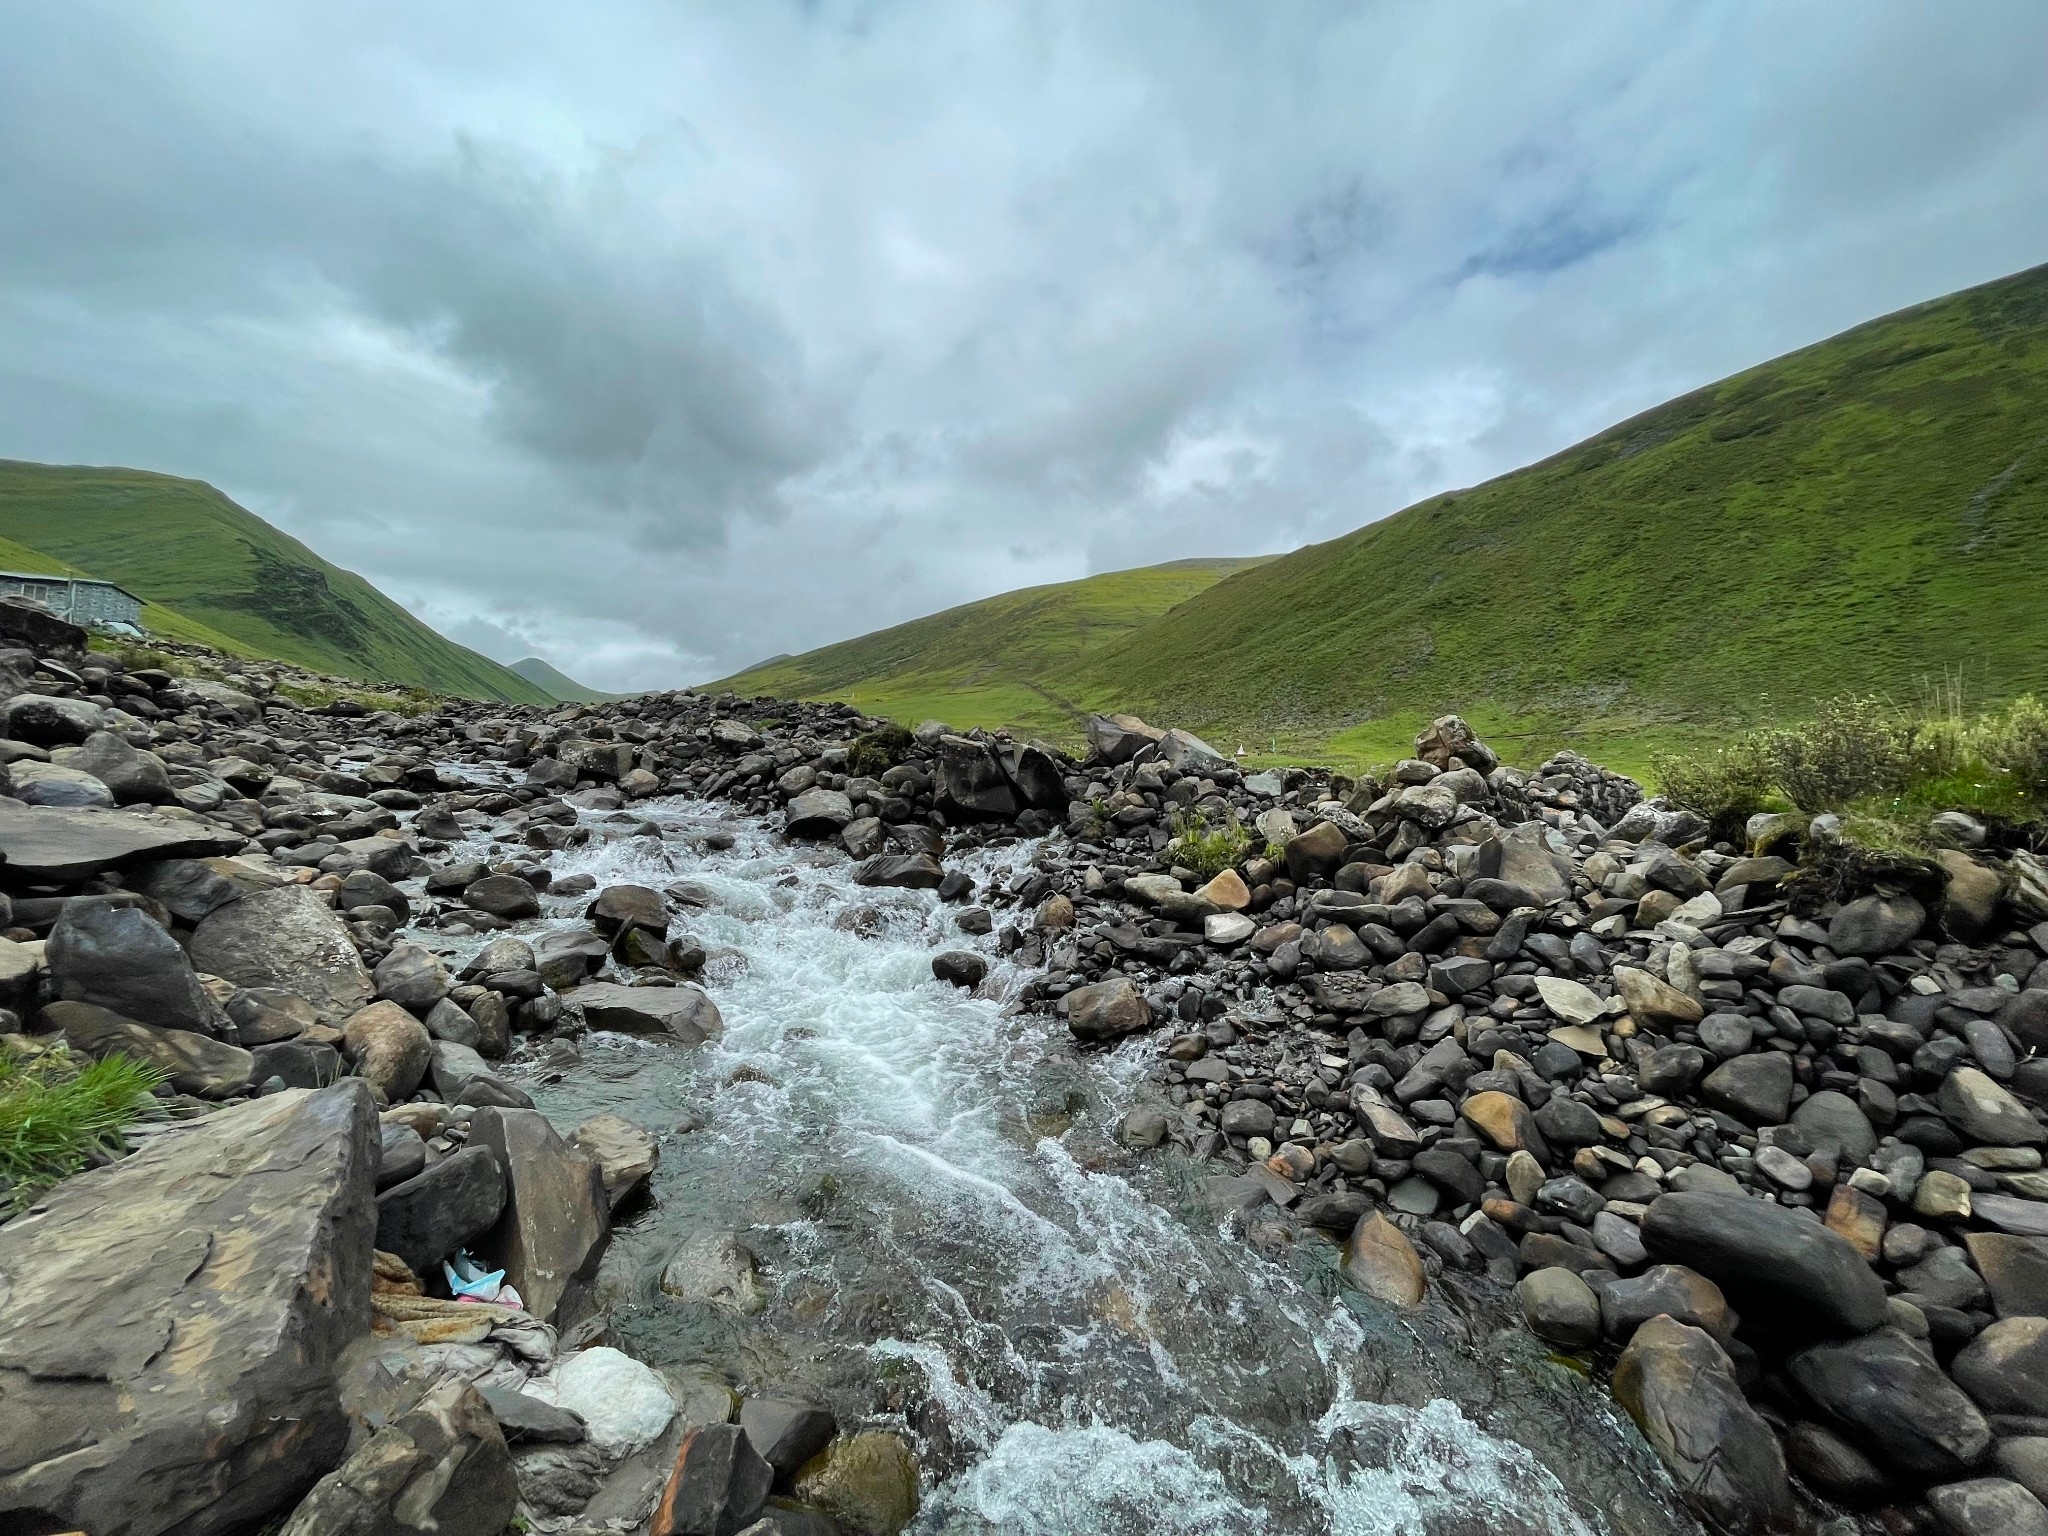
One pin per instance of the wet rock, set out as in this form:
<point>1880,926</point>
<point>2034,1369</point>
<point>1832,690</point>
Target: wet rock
<point>1671,1289</point>
<point>250,1230</point>
<point>1833,1466</point>
<point>2005,1368</point>
<point>1895,1401</point>
<point>1780,1270</point>
<point>48,784</point>
<point>441,1469</point>
<point>1655,1002</point>
<point>715,1268</point>
<point>818,813</point>
<point>786,1431</point>
<point>556,1222</point>
<point>401,1155</point>
<point>426,1218</point>
<point>116,956</point>
<point>286,938</point>
<point>686,1013</point>
<point>1105,1010</point>
<point>1828,1116</point>
<point>717,1487</point>
<point>1559,1308</point>
<point>620,907</point>
<point>2015,1270</point>
<point>625,1154</point>
<point>390,1048</point>
<point>960,968</point>
<point>867,1483</point>
<point>1680,1388</point>
<point>461,1076</point>
<point>194,1063</point>
<point>503,896</point>
<point>908,871</point>
<point>1988,1506</point>
<point>1379,1260</point>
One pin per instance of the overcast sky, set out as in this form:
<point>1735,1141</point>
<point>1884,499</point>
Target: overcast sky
<point>655,338</point>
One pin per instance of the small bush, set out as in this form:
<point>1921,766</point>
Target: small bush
<point>2014,741</point>
<point>1208,850</point>
<point>1853,748</point>
<point>880,750</point>
<point>56,1111</point>
<point>1727,784</point>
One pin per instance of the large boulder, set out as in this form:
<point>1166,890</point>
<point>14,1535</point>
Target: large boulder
<point>866,1482</point>
<point>117,956</point>
<point>1036,774</point>
<point>1894,1399</point>
<point>625,1154</point>
<point>556,1221</point>
<point>1106,1010</point>
<point>411,976</point>
<point>170,1324</point>
<point>288,938</point>
<point>1185,752</point>
<point>194,1063</point>
<point>1680,1388</point>
<point>1985,1113</point>
<point>905,871</point>
<point>818,813</point>
<point>1783,1272</point>
<point>439,1469</point>
<point>687,1013</point>
<point>971,778</point>
<point>391,1049</point>
<point>1114,739</point>
<point>717,1486</point>
<point>1522,856</point>
<point>619,907</point>
<point>51,784</point>
<point>45,721</point>
<point>132,775</point>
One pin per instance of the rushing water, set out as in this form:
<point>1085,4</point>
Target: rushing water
<point>951,1244</point>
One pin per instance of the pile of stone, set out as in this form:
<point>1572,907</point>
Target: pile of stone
<point>1773,1156</point>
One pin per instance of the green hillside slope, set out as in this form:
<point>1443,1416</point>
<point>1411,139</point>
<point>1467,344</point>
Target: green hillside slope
<point>183,545</point>
<point>985,663</point>
<point>557,684</point>
<point>1867,514</point>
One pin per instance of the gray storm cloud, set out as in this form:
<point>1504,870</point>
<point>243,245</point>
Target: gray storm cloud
<point>657,338</point>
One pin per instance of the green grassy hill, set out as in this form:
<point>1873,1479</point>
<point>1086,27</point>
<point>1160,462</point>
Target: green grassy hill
<point>559,685</point>
<point>987,663</point>
<point>1869,514</point>
<point>216,573</point>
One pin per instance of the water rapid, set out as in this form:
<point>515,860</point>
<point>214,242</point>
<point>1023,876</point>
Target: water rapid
<point>951,1243</point>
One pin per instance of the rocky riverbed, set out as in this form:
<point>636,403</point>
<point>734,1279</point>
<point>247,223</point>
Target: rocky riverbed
<point>884,1130</point>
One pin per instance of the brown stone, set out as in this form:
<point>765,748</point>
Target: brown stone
<point>1381,1261</point>
<point>1859,1218</point>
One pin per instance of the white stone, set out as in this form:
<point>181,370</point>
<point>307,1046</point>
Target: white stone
<point>625,1404</point>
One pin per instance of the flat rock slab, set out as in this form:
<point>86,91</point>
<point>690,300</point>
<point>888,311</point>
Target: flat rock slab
<point>287,938</point>
<point>170,1324</point>
<point>69,845</point>
<point>684,1012</point>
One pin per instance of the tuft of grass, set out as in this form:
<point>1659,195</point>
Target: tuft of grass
<point>56,1112</point>
<point>1209,850</point>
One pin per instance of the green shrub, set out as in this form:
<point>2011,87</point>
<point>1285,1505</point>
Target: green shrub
<point>880,750</point>
<point>2014,741</point>
<point>56,1111</point>
<point>1205,849</point>
<point>1726,784</point>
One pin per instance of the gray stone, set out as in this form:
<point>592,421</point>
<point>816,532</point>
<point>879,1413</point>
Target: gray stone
<point>960,968</point>
<point>1830,1117</point>
<point>1105,1010</point>
<point>194,1063</point>
<point>556,1221</point>
<point>440,1469</point>
<point>115,955</point>
<point>908,871</point>
<point>818,813</point>
<point>135,777</point>
<point>1896,1401</point>
<point>49,784</point>
<point>527,1419</point>
<point>503,896</point>
<point>1875,925</point>
<point>390,1048</point>
<point>2015,1269</point>
<point>2005,1368</point>
<point>686,1013</point>
<point>1687,1295</point>
<point>1985,1113</point>
<point>69,846</point>
<point>1988,1506</point>
<point>1784,1272</point>
<point>424,1219</point>
<point>718,1485</point>
<point>411,976</point>
<point>625,1154</point>
<point>1755,1088</point>
<point>1560,1308</point>
<point>287,938</point>
<point>461,1076</point>
<point>45,721</point>
<point>250,1231</point>
<point>786,1431</point>
<point>1680,1388</point>
<point>972,779</point>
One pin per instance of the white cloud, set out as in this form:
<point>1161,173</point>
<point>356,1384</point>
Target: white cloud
<point>661,338</point>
